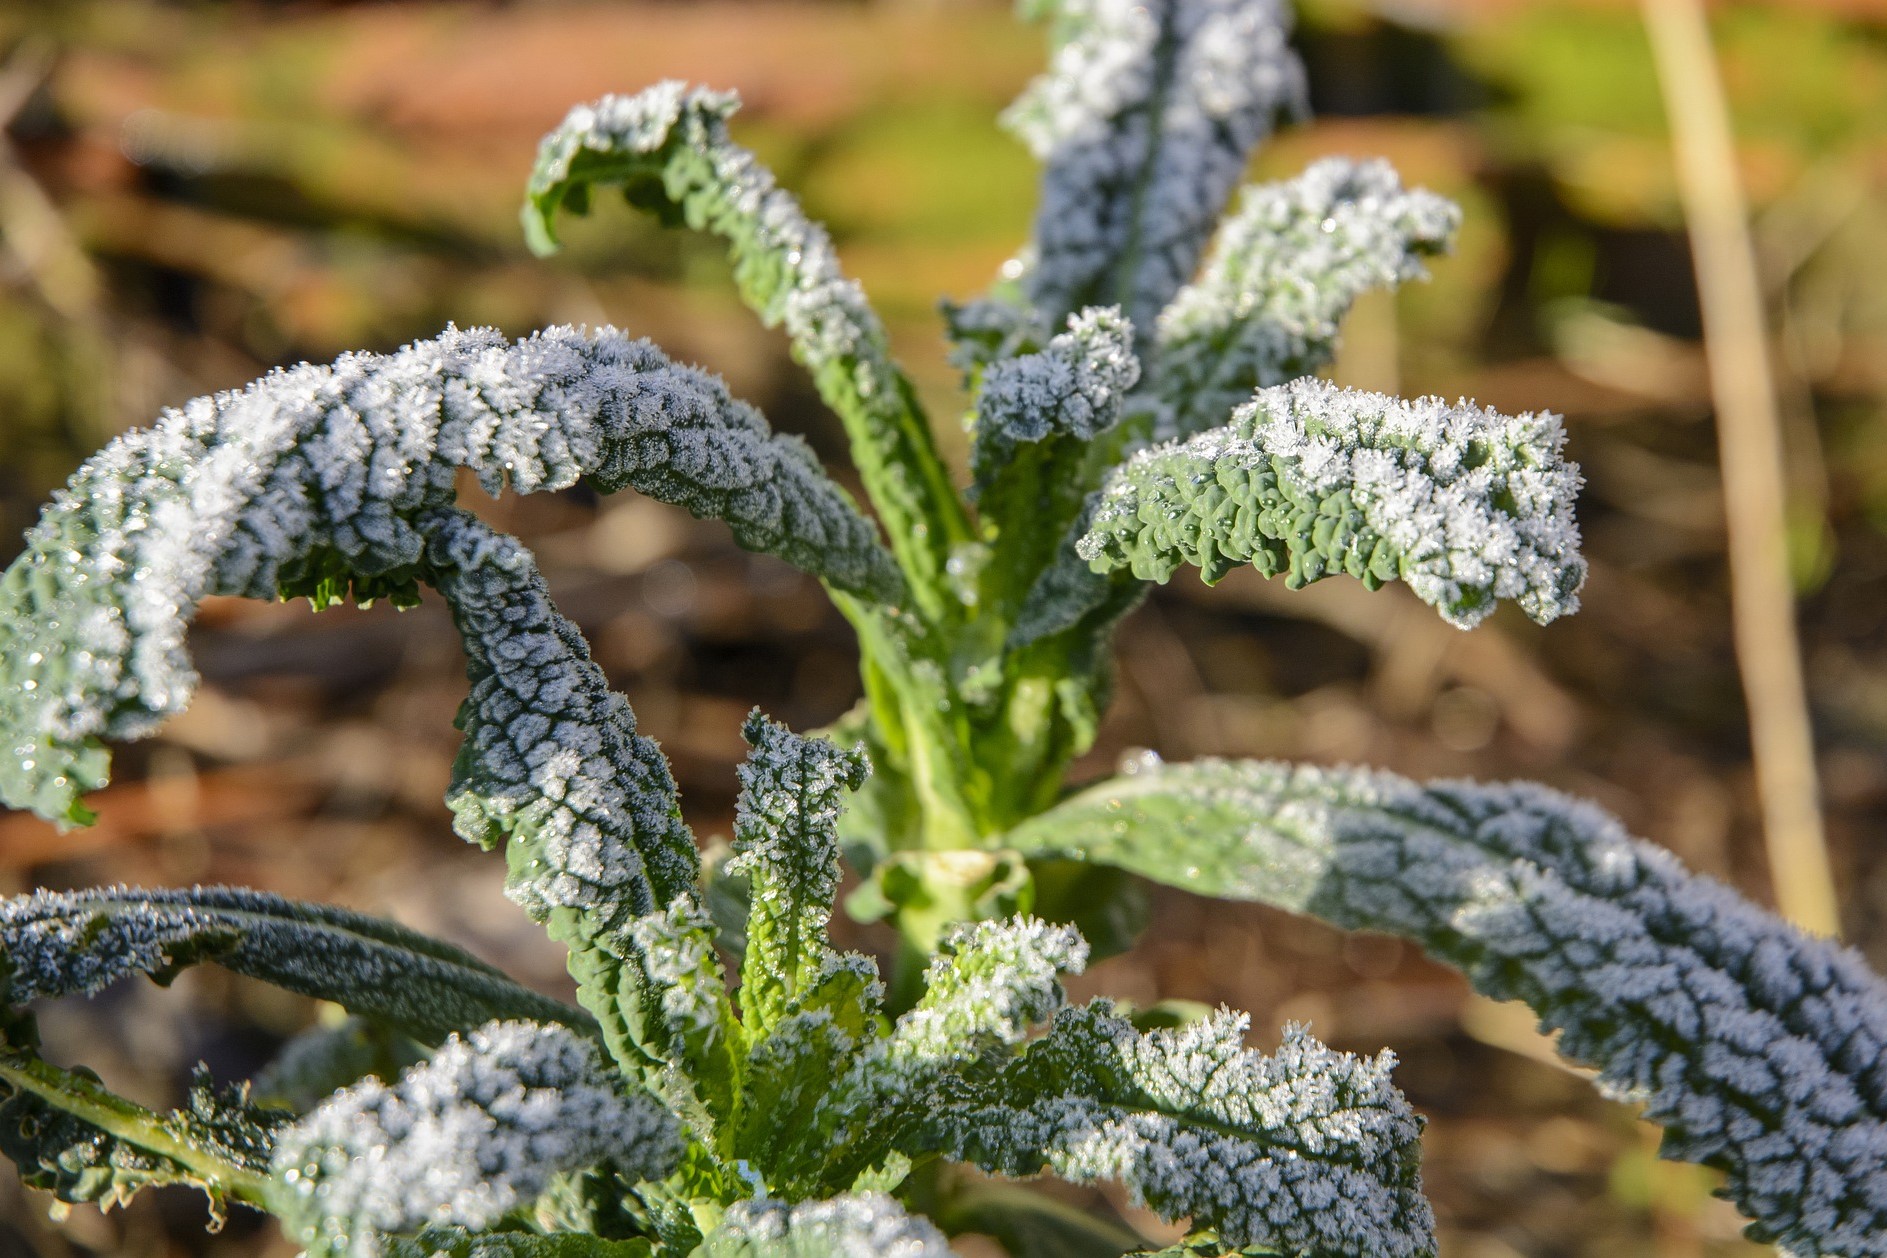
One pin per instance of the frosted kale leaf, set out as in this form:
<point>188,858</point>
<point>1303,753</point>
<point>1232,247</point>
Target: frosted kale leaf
<point>786,845</point>
<point>1144,121</point>
<point>668,149</point>
<point>860,1225</point>
<point>1760,1050</point>
<point>1074,387</point>
<point>471,1135</point>
<point>79,942</point>
<point>1465,505</point>
<point>1283,272</point>
<point>1307,1151</point>
<point>313,481</point>
<point>990,983</point>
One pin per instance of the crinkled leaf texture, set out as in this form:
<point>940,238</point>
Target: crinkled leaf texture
<point>1307,1150</point>
<point>1761,1051</point>
<point>1465,505</point>
<point>79,942</point>
<point>1144,122</point>
<point>668,149</point>
<point>1283,272</point>
<point>471,1135</point>
<point>318,480</point>
<point>859,1225</point>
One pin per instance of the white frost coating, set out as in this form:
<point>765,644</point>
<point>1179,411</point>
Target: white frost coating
<point>677,944</point>
<point>551,756</point>
<point>1305,1150</point>
<point>1283,272</point>
<point>1464,504</point>
<point>1760,1050</point>
<point>1074,387</point>
<point>858,1225</point>
<point>318,472</point>
<point>1145,119</point>
<point>475,1132</point>
<point>990,982</point>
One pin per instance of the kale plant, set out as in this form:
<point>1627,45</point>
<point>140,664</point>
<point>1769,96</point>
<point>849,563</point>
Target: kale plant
<point>1142,399</point>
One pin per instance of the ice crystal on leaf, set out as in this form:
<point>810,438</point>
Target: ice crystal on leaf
<point>1283,272</point>
<point>1144,122</point>
<point>861,1225</point>
<point>1465,505</point>
<point>1761,1051</point>
<point>1074,387</point>
<point>1307,1150</point>
<point>472,1134</point>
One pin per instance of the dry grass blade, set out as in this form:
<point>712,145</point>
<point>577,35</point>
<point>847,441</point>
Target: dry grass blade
<point>1749,438</point>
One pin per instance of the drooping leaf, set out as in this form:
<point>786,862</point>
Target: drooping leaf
<point>1283,272</point>
<point>315,481</point>
<point>472,1134</point>
<point>1144,122</point>
<point>1308,1150</point>
<point>1761,1051</point>
<point>78,942</point>
<point>1308,480</point>
<point>786,843</point>
<point>861,1225</point>
<point>1029,1224</point>
<point>668,149</point>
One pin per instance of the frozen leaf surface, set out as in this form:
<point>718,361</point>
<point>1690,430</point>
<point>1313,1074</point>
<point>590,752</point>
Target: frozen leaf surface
<point>79,942</point>
<point>1465,505</point>
<point>313,481</point>
<point>465,1138</point>
<point>1283,272</point>
<point>861,1225</point>
<point>1144,122</point>
<point>1306,1151</point>
<point>1761,1051</point>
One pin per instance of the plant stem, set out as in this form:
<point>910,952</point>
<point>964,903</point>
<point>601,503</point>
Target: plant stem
<point>1749,437</point>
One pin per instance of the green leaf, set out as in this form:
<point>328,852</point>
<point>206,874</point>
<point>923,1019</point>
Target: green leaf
<point>71,1137</point>
<point>457,1242</point>
<point>1144,122</point>
<point>1310,480</point>
<point>1756,1047</point>
<point>71,942</point>
<point>1311,1151</point>
<point>668,149</point>
<point>786,843</point>
<point>323,480</point>
<point>1283,272</point>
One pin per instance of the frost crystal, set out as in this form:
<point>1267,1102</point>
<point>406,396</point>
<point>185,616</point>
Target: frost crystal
<point>475,1132</point>
<point>1465,505</point>
<point>990,982</point>
<point>1308,1151</point>
<point>1761,1051</point>
<point>1282,274</point>
<point>859,1225</point>
<point>1144,120</point>
<point>312,480</point>
<point>79,942</point>
<point>1075,387</point>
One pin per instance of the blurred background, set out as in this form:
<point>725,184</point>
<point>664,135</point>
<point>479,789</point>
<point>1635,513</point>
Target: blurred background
<point>191,193</point>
